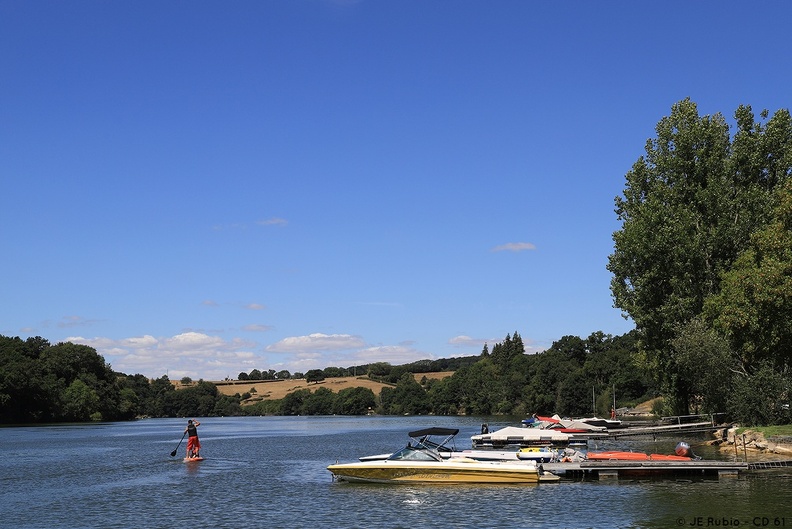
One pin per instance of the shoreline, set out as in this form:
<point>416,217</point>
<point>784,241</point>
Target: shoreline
<point>727,439</point>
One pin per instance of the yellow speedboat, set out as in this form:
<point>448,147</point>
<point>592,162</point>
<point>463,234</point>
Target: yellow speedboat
<point>422,464</point>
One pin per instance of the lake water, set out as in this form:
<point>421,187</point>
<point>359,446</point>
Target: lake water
<point>271,472</point>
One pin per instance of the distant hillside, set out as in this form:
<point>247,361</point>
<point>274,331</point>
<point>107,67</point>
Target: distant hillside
<point>277,389</point>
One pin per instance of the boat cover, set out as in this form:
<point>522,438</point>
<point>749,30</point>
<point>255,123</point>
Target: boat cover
<point>512,433</point>
<point>434,431</point>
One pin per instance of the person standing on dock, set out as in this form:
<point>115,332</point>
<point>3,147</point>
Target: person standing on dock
<point>193,444</point>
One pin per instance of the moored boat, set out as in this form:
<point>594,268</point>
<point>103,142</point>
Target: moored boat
<point>563,425</point>
<point>605,423</point>
<point>520,437</point>
<point>424,464</point>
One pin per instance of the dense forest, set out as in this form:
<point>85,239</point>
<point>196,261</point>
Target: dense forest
<point>702,264</point>
<point>567,378</point>
<point>40,382</point>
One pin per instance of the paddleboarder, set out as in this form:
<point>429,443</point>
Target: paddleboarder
<point>193,444</point>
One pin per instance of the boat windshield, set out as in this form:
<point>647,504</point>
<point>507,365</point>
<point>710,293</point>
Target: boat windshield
<point>414,454</point>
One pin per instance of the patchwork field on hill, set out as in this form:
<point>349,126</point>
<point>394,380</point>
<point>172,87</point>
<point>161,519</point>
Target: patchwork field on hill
<point>277,389</point>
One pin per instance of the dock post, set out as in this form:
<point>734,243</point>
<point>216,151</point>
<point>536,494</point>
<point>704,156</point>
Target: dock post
<point>608,474</point>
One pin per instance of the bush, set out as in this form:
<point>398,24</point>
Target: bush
<point>760,398</point>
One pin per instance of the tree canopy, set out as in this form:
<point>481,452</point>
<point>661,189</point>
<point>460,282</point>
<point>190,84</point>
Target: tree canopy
<point>702,219</point>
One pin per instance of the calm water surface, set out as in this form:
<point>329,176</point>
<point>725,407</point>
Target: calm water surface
<point>270,472</point>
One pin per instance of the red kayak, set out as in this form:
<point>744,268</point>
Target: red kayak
<point>633,456</point>
<point>663,457</point>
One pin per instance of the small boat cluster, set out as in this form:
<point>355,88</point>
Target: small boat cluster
<point>508,455</point>
<point>539,431</point>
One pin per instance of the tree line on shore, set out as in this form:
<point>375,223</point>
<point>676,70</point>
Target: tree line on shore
<point>575,376</point>
<point>42,383</point>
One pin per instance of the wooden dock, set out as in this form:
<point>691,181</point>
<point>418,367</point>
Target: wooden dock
<point>615,469</point>
<point>764,465</point>
<point>690,427</point>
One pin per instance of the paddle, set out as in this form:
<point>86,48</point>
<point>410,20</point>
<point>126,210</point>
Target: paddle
<point>178,445</point>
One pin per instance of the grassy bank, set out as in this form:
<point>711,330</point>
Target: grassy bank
<point>784,430</point>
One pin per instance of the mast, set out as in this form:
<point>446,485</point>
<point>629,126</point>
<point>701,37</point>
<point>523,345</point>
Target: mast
<point>614,397</point>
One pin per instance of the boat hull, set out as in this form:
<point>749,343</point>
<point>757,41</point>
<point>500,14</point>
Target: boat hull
<point>451,471</point>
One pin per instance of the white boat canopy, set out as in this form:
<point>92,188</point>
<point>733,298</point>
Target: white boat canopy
<point>514,434</point>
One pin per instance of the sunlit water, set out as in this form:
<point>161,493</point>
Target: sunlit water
<point>271,472</point>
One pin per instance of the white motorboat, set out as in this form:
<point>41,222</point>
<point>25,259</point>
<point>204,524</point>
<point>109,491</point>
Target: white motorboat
<point>423,464</point>
<point>520,437</point>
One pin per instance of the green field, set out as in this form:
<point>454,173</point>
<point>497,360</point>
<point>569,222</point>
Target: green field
<point>769,431</point>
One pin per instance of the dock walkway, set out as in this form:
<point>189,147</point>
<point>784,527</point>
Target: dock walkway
<point>762,465</point>
<point>705,426</point>
<point>617,469</point>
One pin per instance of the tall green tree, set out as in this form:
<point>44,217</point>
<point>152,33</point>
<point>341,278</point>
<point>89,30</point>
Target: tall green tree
<point>689,207</point>
<point>354,401</point>
<point>314,375</point>
<point>762,397</point>
<point>407,398</point>
<point>707,365</point>
<point>80,403</point>
<point>754,307</point>
<point>320,402</point>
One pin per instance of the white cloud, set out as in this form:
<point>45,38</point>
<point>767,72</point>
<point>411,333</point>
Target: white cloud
<point>257,327</point>
<point>316,342</point>
<point>393,354</point>
<point>274,221</point>
<point>531,347</point>
<point>514,247</point>
<point>467,341</point>
<point>203,356</point>
<point>255,306</point>
<point>317,351</point>
<point>191,354</point>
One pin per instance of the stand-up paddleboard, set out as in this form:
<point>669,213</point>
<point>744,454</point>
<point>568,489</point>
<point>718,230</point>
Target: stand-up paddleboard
<point>192,459</point>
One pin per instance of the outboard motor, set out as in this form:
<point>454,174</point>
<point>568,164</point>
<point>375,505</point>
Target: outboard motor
<point>683,449</point>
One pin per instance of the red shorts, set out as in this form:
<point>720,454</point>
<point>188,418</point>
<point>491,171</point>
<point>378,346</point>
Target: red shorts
<point>193,443</point>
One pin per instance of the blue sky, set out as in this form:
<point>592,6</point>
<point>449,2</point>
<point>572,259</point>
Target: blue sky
<point>204,188</point>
